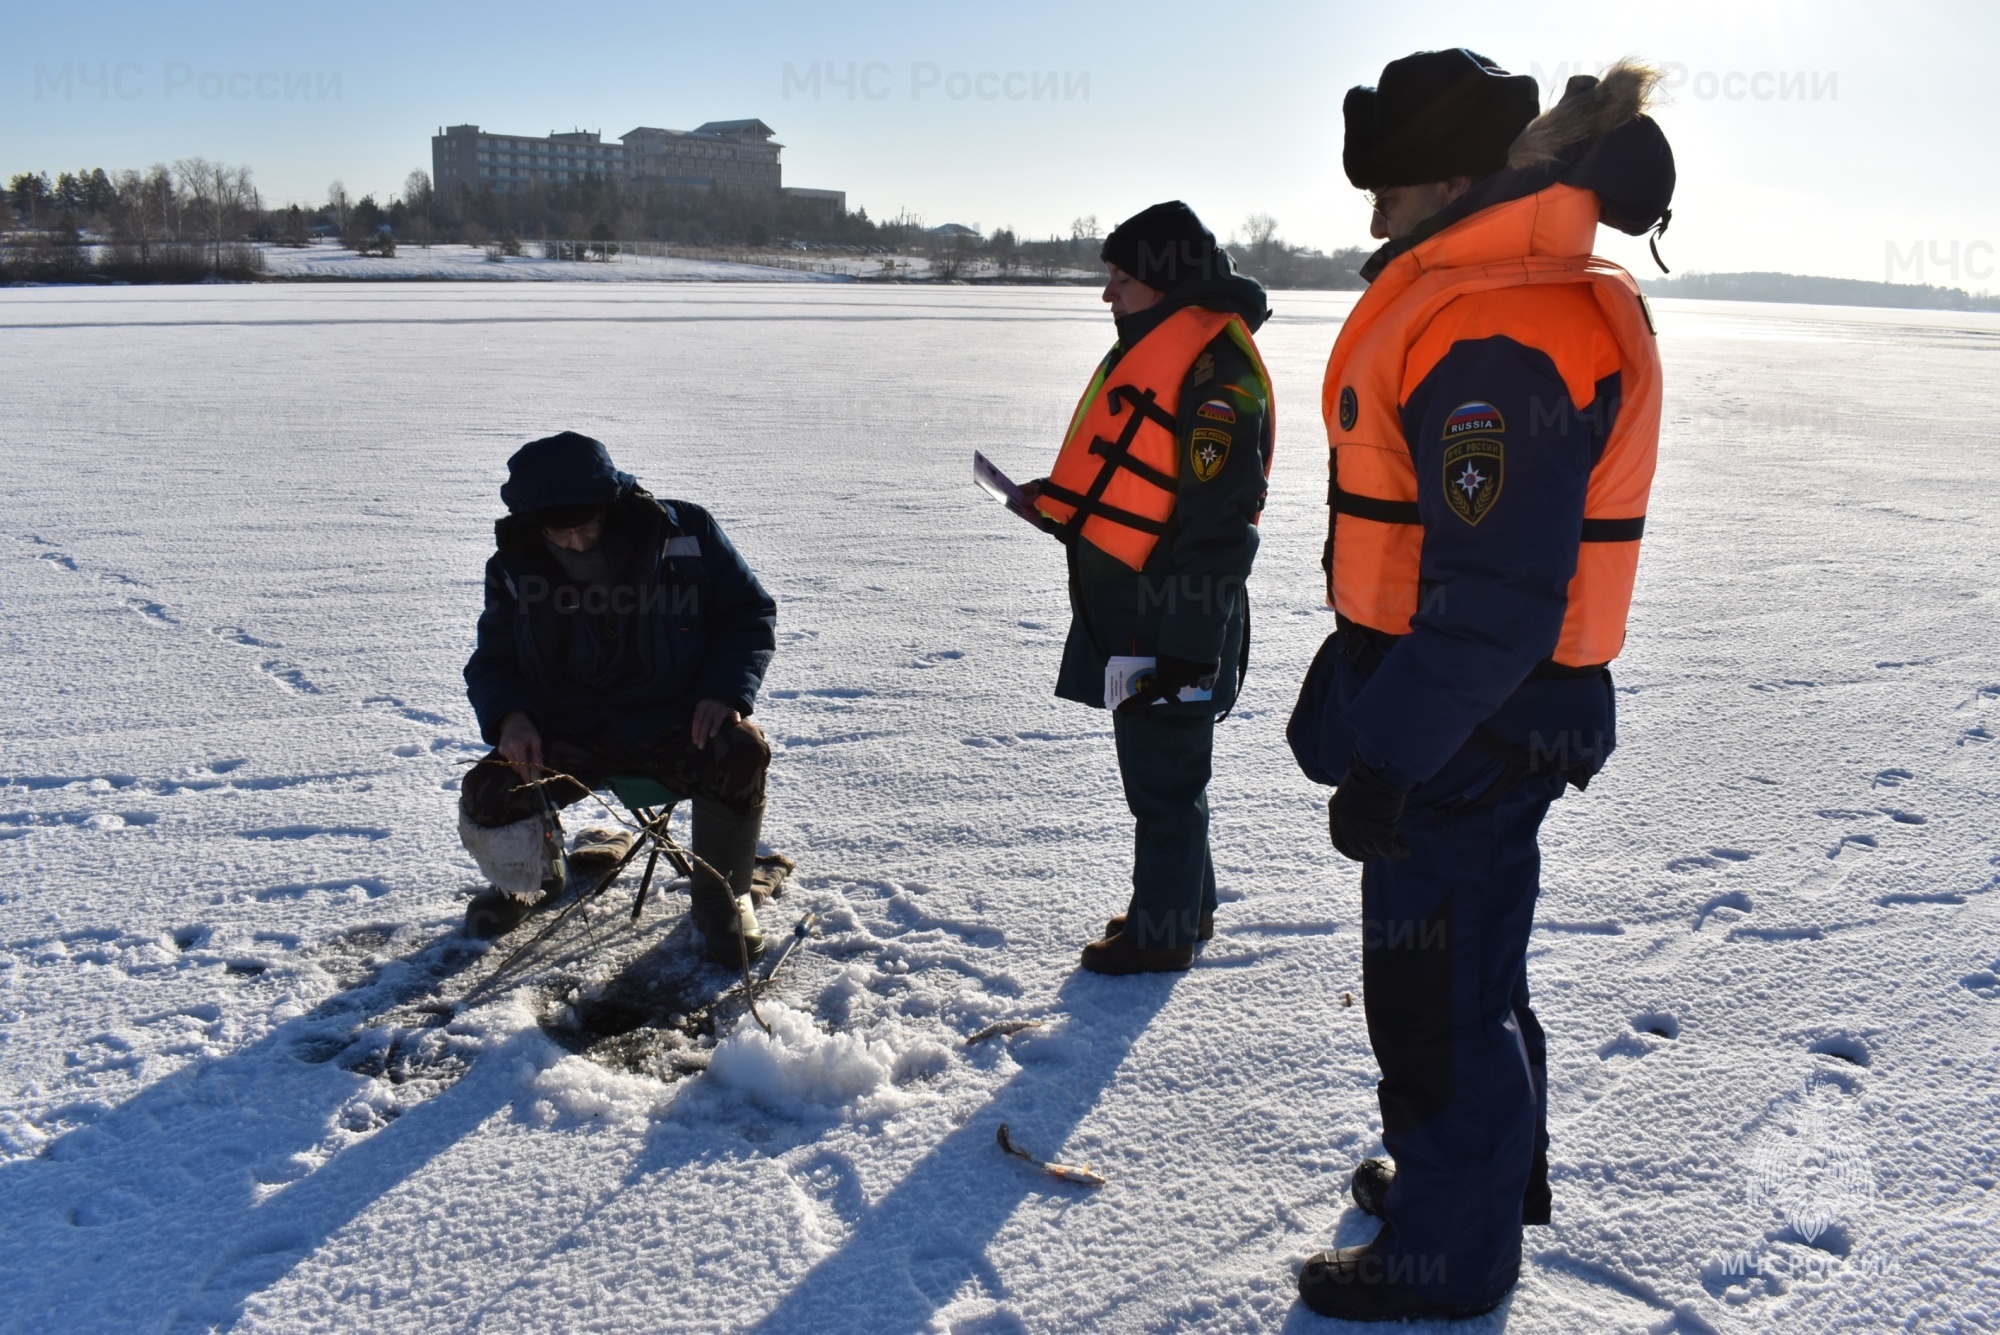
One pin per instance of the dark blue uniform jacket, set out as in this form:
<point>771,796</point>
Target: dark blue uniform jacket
<point>619,664</point>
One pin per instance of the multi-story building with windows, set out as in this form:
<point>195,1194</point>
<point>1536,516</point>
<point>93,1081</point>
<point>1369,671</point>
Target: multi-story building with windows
<point>507,164</point>
<point>733,155</point>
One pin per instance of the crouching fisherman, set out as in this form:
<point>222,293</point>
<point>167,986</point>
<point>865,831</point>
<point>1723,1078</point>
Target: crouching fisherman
<point>623,635</point>
<point>1156,493</point>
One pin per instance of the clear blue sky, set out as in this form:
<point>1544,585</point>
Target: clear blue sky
<point>1235,108</point>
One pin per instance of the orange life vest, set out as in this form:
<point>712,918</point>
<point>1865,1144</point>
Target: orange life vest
<point>1490,275</point>
<point>1115,481</point>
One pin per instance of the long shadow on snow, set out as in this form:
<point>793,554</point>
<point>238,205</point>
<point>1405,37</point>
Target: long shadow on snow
<point>917,1247</point>
<point>148,1218</point>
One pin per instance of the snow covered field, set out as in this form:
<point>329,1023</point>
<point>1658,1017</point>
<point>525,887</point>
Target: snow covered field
<point>239,560</point>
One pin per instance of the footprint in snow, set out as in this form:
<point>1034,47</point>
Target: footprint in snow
<point>238,635</point>
<point>152,611</point>
<point>1983,982</point>
<point>409,712</point>
<point>1842,1047</point>
<point>1714,857</point>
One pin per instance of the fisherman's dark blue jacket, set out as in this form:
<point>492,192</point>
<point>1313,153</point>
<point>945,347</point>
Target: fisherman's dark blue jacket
<point>617,664</point>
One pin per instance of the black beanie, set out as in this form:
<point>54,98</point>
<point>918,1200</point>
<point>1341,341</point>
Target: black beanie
<point>1165,246</point>
<point>1433,116</point>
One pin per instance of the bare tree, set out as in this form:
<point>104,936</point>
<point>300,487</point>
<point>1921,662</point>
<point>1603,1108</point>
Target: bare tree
<point>220,199</point>
<point>337,200</point>
<point>420,201</point>
<point>1260,230</point>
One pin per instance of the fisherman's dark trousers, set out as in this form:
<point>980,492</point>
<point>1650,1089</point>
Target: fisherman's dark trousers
<point>1464,1091</point>
<point>1165,761</point>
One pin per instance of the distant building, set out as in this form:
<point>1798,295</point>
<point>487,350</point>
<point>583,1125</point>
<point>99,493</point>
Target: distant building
<point>507,164</point>
<point>740,155</point>
<point>734,155</point>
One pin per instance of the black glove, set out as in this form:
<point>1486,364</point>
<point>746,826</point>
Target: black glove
<point>1364,813</point>
<point>1170,674</point>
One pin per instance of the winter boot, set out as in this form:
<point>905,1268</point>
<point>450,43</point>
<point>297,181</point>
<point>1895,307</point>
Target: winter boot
<point>1117,954</point>
<point>495,913</point>
<point>1204,931</point>
<point>1370,1188</point>
<point>723,910</point>
<point>1355,1284</point>
<point>525,862</point>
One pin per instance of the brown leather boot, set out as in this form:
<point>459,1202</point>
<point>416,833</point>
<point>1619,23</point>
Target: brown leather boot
<point>1205,931</point>
<point>1116,954</point>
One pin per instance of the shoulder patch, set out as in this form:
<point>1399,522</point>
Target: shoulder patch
<point>1474,468</point>
<point>1349,408</point>
<point>1208,451</point>
<point>1215,410</point>
<point>682,545</point>
<point>1204,368</point>
<point>1474,419</point>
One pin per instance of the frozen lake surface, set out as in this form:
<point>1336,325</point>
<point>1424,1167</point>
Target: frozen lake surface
<point>240,552</point>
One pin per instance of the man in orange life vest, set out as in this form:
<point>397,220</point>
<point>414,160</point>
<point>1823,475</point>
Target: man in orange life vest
<point>1493,406</point>
<point>1156,494</point>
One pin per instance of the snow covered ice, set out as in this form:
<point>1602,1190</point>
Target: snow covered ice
<point>239,564</point>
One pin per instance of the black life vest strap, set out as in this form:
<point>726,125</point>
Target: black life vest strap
<point>1086,507</point>
<point>1613,530</point>
<point>1116,455</point>
<point>1405,512</point>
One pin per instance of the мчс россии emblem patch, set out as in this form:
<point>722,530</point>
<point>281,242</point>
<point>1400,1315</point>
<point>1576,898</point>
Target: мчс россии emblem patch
<point>1474,459</point>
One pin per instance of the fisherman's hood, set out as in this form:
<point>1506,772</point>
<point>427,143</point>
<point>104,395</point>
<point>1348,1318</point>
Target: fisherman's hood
<point>565,469</point>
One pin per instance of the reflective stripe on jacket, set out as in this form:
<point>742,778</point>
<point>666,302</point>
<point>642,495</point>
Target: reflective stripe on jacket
<point>1522,272</point>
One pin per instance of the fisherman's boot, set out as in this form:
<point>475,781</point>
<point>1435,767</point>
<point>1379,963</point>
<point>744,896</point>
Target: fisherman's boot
<point>524,860</point>
<point>726,839</point>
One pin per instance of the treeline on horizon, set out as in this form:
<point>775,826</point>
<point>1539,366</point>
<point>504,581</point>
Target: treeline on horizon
<point>199,219</point>
<point>1809,290</point>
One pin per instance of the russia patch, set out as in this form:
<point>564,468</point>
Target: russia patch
<point>1474,419</point>
<point>1349,409</point>
<point>1215,410</point>
<point>1473,471</point>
